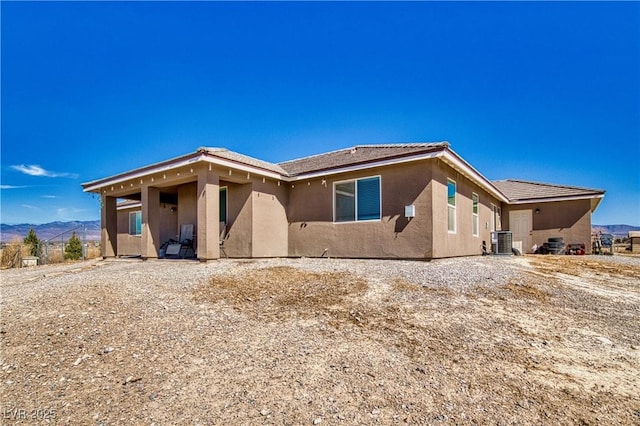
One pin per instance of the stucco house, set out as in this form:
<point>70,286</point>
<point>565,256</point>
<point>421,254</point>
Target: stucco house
<point>413,201</point>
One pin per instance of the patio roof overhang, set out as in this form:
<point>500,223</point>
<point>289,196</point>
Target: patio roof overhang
<point>595,198</point>
<point>199,157</point>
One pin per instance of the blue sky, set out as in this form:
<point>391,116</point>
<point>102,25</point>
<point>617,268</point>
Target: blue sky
<point>538,91</point>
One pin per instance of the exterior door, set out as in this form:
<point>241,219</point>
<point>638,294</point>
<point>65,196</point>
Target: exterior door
<point>521,225</point>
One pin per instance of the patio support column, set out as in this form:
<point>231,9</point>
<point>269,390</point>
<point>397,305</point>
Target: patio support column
<point>150,238</point>
<point>109,227</point>
<point>208,224</point>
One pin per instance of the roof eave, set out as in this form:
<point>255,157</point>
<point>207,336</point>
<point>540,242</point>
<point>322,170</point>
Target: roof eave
<point>201,155</point>
<point>95,185</point>
<point>454,160</point>
<point>595,202</point>
<point>595,197</point>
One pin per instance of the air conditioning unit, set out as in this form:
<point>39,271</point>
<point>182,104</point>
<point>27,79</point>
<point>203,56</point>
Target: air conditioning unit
<point>502,242</point>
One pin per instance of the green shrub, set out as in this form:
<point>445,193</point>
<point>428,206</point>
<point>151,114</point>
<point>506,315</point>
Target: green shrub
<point>73,249</point>
<point>33,242</point>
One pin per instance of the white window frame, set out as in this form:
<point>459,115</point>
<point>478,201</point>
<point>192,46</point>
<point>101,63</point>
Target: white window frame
<point>136,212</point>
<point>452,207</point>
<point>495,212</point>
<point>355,215</point>
<point>475,210</point>
<point>493,217</point>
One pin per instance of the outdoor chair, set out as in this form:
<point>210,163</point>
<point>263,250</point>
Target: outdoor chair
<point>183,248</point>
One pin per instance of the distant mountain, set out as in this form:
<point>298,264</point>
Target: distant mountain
<point>619,231</point>
<point>50,230</point>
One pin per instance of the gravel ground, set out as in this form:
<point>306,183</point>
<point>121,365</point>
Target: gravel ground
<point>501,340</point>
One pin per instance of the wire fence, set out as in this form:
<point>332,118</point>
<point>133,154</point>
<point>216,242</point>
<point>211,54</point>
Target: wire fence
<point>17,254</point>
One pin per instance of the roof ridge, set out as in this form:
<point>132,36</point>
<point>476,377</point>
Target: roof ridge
<point>403,145</point>
<point>384,145</point>
<point>314,155</point>
<point>211,148</point>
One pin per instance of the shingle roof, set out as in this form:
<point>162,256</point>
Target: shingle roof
<point>359,154</point>
<point>516,191</point>
<point>520,190</point>
<point>241,158</point>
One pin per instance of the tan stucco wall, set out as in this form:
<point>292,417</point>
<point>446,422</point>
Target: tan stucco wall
<point>108,226</point>
<point>312,230</point>
<point>168,222</point>
<point>128,245</point>
<point>239,218</point>
<point>257,219</point>
<point>188,207</point>
<point>462,242</point>
<point>568,219</point>
<point>270,225</point>
<point>208,215</point>
<point>131,245</point>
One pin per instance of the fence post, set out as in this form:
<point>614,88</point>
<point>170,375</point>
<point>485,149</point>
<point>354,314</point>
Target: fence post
<point>84,242</point>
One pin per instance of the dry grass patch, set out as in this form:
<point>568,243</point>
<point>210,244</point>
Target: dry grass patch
<point>400,284</point>
<point>576,265</point>
<point>163,343</point>
<point>527,291</point>
<point>12,254</point>
<point>284,292</point>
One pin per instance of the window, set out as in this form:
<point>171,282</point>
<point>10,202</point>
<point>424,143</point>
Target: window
<point>497,219</point>
<point>451,205</point>
<point>474,201</point>
<point>493,217</point>
<point>223,204</point>
<point>135,223</point>
<point>496,222</point>
<point>357,200</point>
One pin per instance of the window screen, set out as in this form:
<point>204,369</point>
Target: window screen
<point>345,198</point>
<point>369,198</point>
<point>451,205</point>
<point>135,223</point>
<point>357,200</point>
<point>474,216</point>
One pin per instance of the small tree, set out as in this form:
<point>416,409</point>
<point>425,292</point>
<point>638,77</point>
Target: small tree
<point>33,242</point>
<point>73,249</point>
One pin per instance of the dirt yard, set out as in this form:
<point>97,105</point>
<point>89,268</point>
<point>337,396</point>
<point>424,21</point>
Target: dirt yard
<point>485,340</point>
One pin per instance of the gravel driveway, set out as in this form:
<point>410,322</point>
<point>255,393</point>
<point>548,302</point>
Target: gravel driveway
<point>502,340</point>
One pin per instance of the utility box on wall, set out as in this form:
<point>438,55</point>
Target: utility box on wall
<point>410,211</point>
